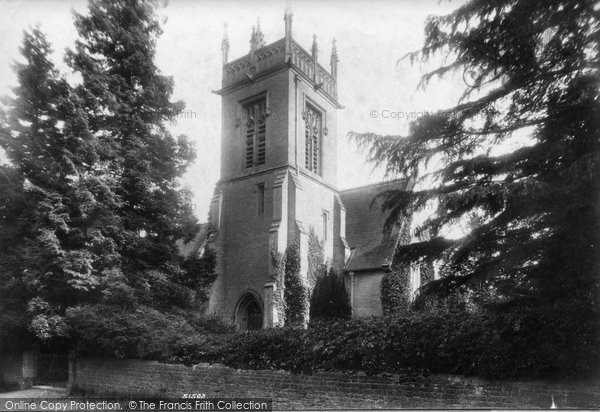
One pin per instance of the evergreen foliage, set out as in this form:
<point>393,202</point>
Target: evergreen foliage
<point>531,69</point>
<point>330,297</point>
<point>141,333</point>
<point>200,273</point>
<point>94,202</point>
<point>278,261</point>
<point>523,341</point>
<point>48,243</point>
<point>395,290</point>
<point>128,105</point>
<point>316,257</point>
<point>395,284</point>
<point>295,292</point>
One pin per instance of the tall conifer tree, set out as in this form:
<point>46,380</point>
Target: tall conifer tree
<point>95,202</point>
<point>128,105</point>
<point>530,67</point>
<point>44,250</point>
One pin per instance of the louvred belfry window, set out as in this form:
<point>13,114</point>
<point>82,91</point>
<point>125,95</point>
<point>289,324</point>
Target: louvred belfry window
<point>312,134</point>
<point>256,133</point>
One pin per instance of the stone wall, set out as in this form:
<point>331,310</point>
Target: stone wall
<point>325,390</point>
<point>243,240</point>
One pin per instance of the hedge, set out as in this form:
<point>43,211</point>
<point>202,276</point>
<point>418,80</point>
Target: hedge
<point>141,333</point>
<point>541,342</point>
<point>525,342</point>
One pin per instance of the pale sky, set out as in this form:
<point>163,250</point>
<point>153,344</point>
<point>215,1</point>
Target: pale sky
<point>378,92</point>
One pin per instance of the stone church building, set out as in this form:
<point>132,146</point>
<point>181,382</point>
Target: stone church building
<point>279,180</point>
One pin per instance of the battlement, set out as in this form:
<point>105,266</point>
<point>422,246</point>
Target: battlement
<point>263,59</point>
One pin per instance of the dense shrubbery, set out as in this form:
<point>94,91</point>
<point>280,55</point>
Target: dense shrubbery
<point>143,332</point>
<point>330,298</point>
<point>558,341</point>
<point>528,342</point>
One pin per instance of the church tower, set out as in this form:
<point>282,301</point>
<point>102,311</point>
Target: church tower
<point>278,172</point>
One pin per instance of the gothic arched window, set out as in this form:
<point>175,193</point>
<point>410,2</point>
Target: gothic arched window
<point>313,129</point>
<point>256,133</point>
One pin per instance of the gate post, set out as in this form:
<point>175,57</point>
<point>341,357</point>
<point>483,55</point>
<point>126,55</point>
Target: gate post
<point>72,381</point>
<point>29,368</point>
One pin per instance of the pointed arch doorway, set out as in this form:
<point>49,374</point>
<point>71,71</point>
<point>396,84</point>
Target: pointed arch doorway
<point>249,313</point>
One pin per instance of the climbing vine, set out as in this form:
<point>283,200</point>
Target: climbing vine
<point>278,260</point>
<point>395,291</point>
<point>427,272</point>
<point>316,257</point>
<point>395,284</point>
<point>292,296</point>
<point>294,289</point>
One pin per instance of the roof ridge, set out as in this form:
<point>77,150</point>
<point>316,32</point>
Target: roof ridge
<point>373,185</point>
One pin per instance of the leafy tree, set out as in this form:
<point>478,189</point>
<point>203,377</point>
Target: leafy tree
<point>109,330</point>
<point>531,69</point>
<point>94,202</point>
<point>330,298</point>
<point>13,291</point>
<point>128,105</point>
<point>45,263</point>
<point>201,270</point>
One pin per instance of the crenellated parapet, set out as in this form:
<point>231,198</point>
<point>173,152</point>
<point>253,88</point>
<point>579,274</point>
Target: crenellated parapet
<point>283,53</point>
<point>253,63</point>
<point>306,63</point>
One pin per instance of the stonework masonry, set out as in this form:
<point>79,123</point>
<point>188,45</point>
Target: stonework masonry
<point>278,173</point>
<point>279,182</point>
<point>325,390</point>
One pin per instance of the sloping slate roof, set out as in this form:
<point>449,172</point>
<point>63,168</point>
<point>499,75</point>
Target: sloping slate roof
<point>364,226</point>
<point>193,246</point>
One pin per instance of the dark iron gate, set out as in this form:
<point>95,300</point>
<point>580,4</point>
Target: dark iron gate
<point>52,369</point>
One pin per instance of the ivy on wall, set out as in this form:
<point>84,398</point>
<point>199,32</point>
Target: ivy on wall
<point>395,284</point>
<point>396,288</point>
<point>427,272</point>
<point>294,290</point>
<point>316,257</point>
<point>278,260</point>
<point>395,291</point>
<point>292,298</point>
<point>295,297</point>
